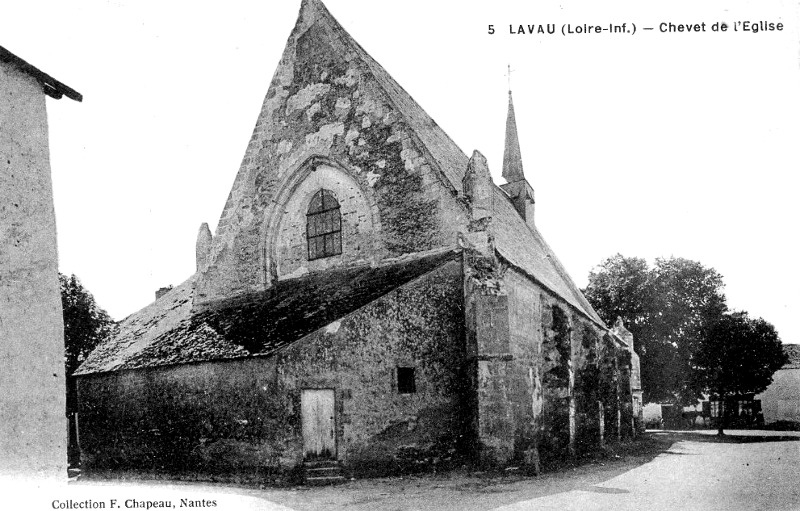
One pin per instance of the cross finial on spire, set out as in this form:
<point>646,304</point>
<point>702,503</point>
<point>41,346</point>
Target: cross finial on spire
<point>509,79</point>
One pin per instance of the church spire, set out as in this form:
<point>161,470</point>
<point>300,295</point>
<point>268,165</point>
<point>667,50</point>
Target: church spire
<point>517,187</point>
<point>512,158</point>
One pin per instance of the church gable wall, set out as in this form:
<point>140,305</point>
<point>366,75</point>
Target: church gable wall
<point>287,238</point>
<point>324,102</point>
<point>244,416</point>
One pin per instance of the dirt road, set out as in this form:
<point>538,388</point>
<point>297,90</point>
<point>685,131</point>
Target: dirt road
<point>749,470</point>
<point>695,475</point>
<point>686,471</point>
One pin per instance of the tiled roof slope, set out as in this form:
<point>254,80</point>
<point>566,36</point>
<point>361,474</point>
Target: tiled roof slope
<point>525,248</point>
<point>793,352</point>
<point>266,321</point>
<point>522,246</point>
<point>171,332</point>
<point>140,329</point>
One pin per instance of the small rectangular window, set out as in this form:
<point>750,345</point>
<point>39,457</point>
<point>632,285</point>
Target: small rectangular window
<point>406,383</point>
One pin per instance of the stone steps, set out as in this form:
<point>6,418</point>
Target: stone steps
<point>322,473</point>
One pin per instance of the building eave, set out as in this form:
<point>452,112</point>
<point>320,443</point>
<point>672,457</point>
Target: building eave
<point>50,86</point>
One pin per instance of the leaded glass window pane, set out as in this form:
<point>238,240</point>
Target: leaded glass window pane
<point>324,226</point>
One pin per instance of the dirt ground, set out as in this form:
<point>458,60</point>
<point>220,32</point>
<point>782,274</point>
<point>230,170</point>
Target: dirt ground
<point>666,470</point>
<point>459,490</point>
<point>663,470</point>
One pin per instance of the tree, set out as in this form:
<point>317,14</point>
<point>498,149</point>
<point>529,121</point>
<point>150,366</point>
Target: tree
<point>737,356</point>
<point>666,308</point>
<point>85,326</point>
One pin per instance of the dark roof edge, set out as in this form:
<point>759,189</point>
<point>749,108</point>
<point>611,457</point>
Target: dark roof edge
<point>50,85</point>
<point>106,372</point>
<point>455,252</point>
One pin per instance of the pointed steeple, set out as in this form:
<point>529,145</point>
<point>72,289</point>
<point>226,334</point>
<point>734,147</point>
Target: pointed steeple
<point>512,157</point>
<point>517,187</point>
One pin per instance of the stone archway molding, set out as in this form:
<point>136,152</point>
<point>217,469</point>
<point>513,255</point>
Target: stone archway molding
<point>288,188</point>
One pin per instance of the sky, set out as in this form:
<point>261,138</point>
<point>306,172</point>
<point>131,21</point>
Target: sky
<point>647,144</point>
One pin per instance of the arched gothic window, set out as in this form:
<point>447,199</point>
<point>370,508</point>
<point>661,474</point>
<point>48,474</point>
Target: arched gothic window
<point>324,226</point>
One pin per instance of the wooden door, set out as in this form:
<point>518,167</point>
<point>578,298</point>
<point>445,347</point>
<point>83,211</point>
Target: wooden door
<point>319,424</point>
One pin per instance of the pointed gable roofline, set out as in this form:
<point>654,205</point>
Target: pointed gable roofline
<point>520,244</point>
<point>166,332</point>
<point>50,85</point>
<point>451,160</point>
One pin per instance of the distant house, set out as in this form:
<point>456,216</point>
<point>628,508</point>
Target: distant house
<point>781,400</point>
<point>370,299</point>
<point>33,430</point>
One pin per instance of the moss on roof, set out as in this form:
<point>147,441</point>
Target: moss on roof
<point>521,245</point>
<point>172,331</point>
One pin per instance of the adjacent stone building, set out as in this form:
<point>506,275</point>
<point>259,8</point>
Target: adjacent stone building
<point>370,297</point>
<point>33,430</point>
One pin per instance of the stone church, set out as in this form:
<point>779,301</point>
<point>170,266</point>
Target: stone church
<point>370,302</point>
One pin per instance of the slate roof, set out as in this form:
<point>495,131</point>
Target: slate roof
<point>793,352</point>
<point>522,246</point>
<point>139,330</point>
<point>50,85</point>
<point>172,331</point>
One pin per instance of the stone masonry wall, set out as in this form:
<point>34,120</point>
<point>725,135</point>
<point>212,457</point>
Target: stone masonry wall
<point>539,389</point>
<point>358,224</point>
<point>243,416</point>
<point>33,427</point>
<point>324,102</point>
